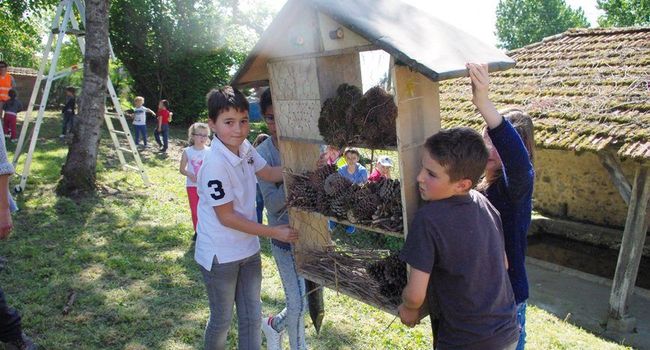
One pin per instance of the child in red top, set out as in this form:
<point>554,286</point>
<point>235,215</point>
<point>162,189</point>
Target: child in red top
<point>382,169</point>
<point>163,125</point>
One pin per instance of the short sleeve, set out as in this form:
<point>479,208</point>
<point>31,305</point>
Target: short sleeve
<point>419,248</point>
<point>214,182</point>
<point>258,162</point>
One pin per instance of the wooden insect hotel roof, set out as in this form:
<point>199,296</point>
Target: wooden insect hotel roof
<point>413,37</point>
<point>586,89</point>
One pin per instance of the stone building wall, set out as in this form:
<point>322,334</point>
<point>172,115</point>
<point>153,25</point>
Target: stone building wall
<point>577,187</point>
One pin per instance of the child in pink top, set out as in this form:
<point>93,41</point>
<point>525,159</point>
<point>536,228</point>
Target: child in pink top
<point>191,161</point>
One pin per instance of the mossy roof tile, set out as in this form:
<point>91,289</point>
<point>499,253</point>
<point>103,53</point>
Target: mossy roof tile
<point>586,89</point>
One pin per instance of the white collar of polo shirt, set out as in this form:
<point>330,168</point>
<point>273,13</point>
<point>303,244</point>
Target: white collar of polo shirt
<point>245,150</point>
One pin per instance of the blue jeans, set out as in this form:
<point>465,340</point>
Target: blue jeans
<point>164,131</point>
<point>292,318</point>
<point>140,130</point>
<point>521,318</point>
<point>238,282</point>
<point>259,205</point>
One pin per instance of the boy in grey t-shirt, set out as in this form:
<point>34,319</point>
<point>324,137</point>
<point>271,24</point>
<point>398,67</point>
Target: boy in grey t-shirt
<point>456,251</point>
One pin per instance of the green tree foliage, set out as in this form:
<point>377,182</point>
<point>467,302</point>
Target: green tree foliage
<point>179,49</point>
<point>522,22</point>
<point>624,13</point>
<point>19,39</point>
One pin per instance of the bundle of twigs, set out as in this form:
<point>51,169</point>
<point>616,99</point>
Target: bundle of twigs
<point>347,271</point>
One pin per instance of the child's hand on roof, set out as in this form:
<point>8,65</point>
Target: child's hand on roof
<point>478,74</point>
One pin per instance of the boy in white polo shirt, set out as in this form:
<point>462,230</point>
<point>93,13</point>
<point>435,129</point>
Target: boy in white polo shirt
<point>227,245</point>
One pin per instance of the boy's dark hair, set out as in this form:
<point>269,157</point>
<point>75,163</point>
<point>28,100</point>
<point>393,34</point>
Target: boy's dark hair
<point>165,103</point>
<point>220,100</point>
<point>353,151</point>
<point>461,151</point>
<point>71,89</point>
<point>12,94</point>
<point>265,100</point>
<point>3,64</point>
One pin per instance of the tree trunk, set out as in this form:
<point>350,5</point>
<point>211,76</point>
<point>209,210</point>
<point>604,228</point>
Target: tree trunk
<point>79,170</point>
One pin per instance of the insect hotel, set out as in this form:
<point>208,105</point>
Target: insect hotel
<point>310,57</point>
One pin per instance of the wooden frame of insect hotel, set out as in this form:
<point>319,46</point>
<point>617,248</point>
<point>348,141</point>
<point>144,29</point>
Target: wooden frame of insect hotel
<point>306,55</point>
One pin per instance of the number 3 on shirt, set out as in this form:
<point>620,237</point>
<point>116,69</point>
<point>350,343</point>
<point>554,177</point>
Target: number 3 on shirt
<point>217,187</point>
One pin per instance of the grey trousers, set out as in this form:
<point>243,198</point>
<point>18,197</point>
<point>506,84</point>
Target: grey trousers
<point>234,283</point>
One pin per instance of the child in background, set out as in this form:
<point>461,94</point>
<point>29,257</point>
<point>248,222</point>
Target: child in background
<point>352,170</point>
<point>68,110</point>
<point>227,247</point>
<point>329,155</point>
<point>259,199</point>
<point>508,182</point>
<point>140,120</point>
<point>12,332</point>
<point>11,109</point>
<point>291,320</point>
<point>456,252</point>
<point>382,169</point>
<point>7,82</point>
<point>163,125</point>
<point>198,138</point>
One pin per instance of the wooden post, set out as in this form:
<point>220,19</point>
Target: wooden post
<point>418,118</point>
<point>627,267</point>
<point>610,162</point>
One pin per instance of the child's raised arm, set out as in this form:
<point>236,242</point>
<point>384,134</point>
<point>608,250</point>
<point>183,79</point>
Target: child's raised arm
<point>480,78</point>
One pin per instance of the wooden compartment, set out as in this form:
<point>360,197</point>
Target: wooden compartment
<point>313,46</point>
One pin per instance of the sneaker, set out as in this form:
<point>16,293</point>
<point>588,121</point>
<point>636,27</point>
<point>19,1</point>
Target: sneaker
<point>14,140</point>
<point>350,229</point>
<point>23,343</point>
<point>61,136</point>
<point>273,337</point>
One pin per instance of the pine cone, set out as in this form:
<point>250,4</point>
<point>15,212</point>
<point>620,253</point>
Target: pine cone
<point>318,176</point>
<point>335,184</point>
<point>365,206</point>
<point>342,202</point>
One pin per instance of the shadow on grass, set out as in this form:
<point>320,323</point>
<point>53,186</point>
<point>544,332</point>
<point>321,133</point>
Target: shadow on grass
<point>134,283</point>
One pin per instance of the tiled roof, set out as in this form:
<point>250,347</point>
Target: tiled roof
<point>586,89</point>
<point>22,71</point>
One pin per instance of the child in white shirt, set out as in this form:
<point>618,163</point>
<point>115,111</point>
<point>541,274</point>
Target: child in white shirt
<point>227,245</point>
<point>140,120</point>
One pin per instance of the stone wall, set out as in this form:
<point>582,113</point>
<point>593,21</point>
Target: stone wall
<point>24,87</point>
<point>577,187</point>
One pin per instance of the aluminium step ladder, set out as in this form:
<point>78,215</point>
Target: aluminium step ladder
<point>65,23</point>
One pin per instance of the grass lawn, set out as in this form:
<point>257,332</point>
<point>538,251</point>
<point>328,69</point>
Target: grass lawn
<point>127,255</point>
